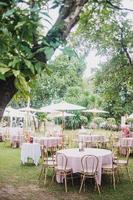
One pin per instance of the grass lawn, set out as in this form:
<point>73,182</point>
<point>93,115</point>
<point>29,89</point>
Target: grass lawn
<point>18,182</point>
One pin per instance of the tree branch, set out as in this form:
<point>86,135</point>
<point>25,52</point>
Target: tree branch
<point>124,47</point>
<point>117,7</point>
<point>68,17</point>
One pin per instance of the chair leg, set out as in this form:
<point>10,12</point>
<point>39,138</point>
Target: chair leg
<point>82,181</point>
<point>118,175</point>
<point>42,171</point>
<point>45,177</point>
<point>113,176</point>
<point>54,174</point>
<point>65,184</point>
<point>97,186</point>
<point>72,179</point>
<point>128,174</point>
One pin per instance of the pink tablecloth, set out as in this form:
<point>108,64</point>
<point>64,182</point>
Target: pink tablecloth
<point>126,142</point>
<point>17,138</point>
<point>92,138</point>
<point>48,141</point>
<point>74,159</point>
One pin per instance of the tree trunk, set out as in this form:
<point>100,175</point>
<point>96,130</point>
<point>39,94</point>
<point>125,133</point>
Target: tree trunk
<point>7,91</point>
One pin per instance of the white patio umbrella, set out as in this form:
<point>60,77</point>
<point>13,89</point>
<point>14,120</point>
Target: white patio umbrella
<point>130,116</point>
<point>13,113</point>
<point>28,112</point>
<point>95,110</point>
<point>62,106</point>
<point>29,109</point>
<point>59,114</point>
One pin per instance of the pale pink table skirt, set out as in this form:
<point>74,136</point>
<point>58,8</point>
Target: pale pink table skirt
<point>74,159</point>
<point>17,138</point>
<point>92,138</point>
<point>48,141</point>
<point>126,142</point>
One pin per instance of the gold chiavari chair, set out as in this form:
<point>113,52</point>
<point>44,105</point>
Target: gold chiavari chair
<point>111,169</point>
<point>123,162</point>
<point>89,165</point>
<point>48,162</point>
<point>61,168</point>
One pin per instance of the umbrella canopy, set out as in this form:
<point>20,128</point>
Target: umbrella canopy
<point>130,116</point>
<point>47,109</point>
<point>11,112</point>
<point>59,114</point>
<point>29,109</point>
<point>63,106</point>
<point>95,110</point>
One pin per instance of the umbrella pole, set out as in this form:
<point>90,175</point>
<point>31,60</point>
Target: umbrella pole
<point>27,121</point>
<point>63,126</point>
<point>94,116</point>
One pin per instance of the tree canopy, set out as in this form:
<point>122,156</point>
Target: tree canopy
<point>24,51</point>
<point>110,32</point>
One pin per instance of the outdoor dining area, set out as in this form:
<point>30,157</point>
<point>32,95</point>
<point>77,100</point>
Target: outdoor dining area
<point>79,161</point>
<point>87,154</point>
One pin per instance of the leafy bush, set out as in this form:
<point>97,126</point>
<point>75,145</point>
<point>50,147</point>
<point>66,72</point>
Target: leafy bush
<point>98,121</point>
<point>111,124</point>
<point>76,121</point>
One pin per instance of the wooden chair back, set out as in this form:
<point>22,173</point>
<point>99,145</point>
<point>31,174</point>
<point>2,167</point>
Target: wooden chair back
<point>89,163</point>
<point>61,161</point>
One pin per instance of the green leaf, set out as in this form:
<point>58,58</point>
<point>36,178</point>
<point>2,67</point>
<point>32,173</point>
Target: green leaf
<point>2,77</point>
<point>19,24</point>
<point>35,9</point>
<point>29,65</point>
<point>14,62</point>
<point>38,68</point>
<point>22,85</point>
<point>49,52</point>
<point>2,65</point>
<point>3,70</point>
<point>16,72</point>
<point>8,13</point>
<point>46,43</point>
<point>3,4</point>
<point>48,71</point>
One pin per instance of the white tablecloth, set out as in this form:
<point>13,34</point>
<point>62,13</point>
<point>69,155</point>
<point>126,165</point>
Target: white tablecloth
<point>74,159</point>
<point>30,150</point>
<point>48,141</point>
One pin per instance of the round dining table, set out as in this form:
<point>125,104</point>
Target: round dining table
<point>74,160</point>
<point>30,150</point>
<point>48,141</point>
<point>91,138</point>
<point>126,142</point>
